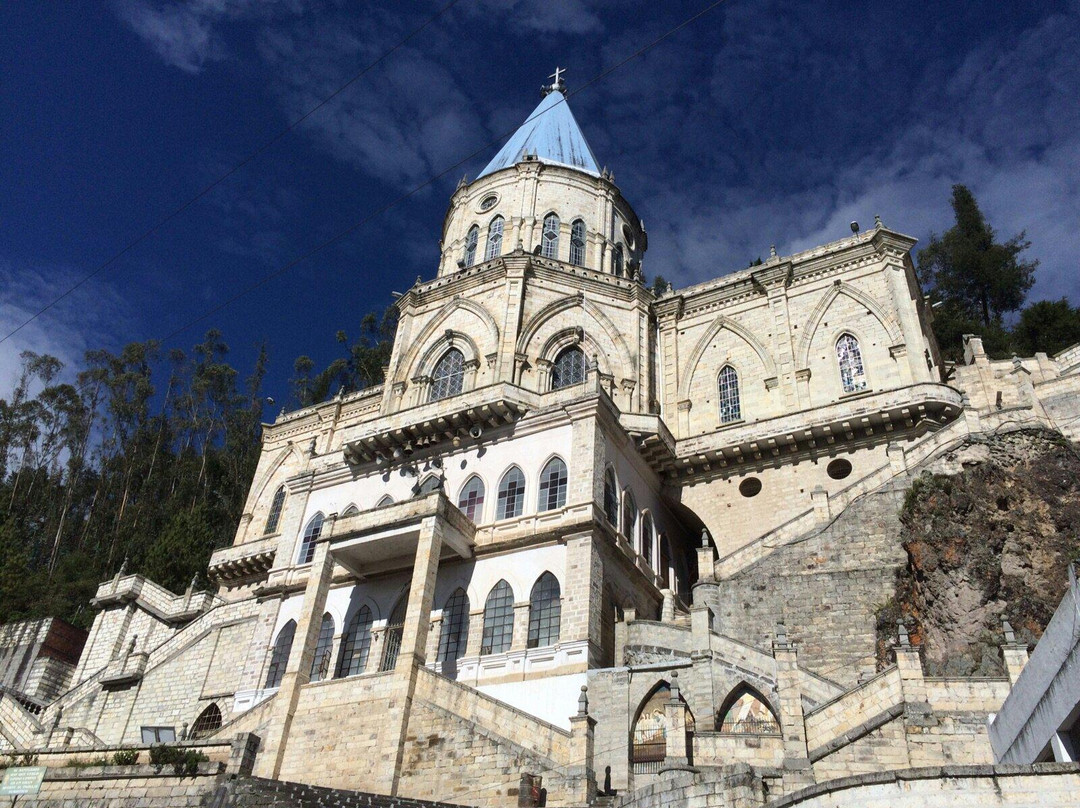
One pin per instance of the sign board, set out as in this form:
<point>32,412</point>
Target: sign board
<point>19,780</point>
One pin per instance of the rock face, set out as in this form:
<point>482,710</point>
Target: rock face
<point>989,533</point>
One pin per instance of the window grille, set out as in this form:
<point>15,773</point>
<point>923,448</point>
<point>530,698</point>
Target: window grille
<point>324,648</point>
<point>279,658</point>
<point>471,499</point>
<point>647,538</point>
<point>274,516</point>
<point>568,368</point>
<point>728,384</point>
<point>494,239</point>
<point>577,243</point>
<point>511,500</point>
<point>553,481</point>
<point>852,373</point>
<point>611,498</point>
<point>311,535</point>
<point>454,633</point>
<point>629,517</point>
<point>545,608</point>
<point>498,619</point>
<point>471,240</point>
<point>208,722</point>
<point>355,644</point>
<point>449,375</point>
<point>550,239</point>
<point>394,632</point>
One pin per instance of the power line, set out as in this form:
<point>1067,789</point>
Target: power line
<point>243,162</point>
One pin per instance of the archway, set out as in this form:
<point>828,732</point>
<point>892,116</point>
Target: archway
<point>648,738</point>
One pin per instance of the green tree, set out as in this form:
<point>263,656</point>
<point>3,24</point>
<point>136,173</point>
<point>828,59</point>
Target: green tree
<point>1048,325</point>
<point>182,549</point>
<point>975,278</point>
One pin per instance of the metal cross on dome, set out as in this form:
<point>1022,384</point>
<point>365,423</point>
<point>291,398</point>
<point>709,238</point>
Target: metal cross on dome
<point>557,75</point>
<point>557,83</point>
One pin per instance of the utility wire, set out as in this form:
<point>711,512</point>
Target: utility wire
<point>243,162</point>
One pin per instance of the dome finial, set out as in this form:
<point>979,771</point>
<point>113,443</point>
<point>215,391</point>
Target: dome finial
<point>557,83</point>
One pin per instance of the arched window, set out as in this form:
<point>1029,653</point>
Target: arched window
<point>432,482</point>
<point>511,500</point>
<point>471,499</point>
<point>352,510</point>
<point>545,608</point>
<point>311,535</point>
<point>494,240</point>
<point>647,538</point>
<point>324,649</point>
<point>279,658</point>
<point>629,517</point>
<point>472,238</point>
<point>395,628</point>
<point>274,516</point>
<point>611,498</point>
<point>848,355</point>
<point>746,713</point>
<point>454,632</point>
<point>208,722</point>
<point>550,239</point>
<point>577,243</point>
<point>355,644</point>
<point>728,386</point>
<point>385,499</point>
<point>568,368</point>
<point>498,619</point>
<point>665,561</point>
<point>618,261</point>
<point>448,376</point>
<point>552,486</point>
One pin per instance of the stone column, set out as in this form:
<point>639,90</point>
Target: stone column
<point>917,710</point>
<point>581,768</point>
<point>520,637</point>
<point>701,626</point>
<point>797,770</point>
<point>421,597</point>
<point>706,590</point>
<point>298,669</point>
<point>676,754</point>
<point>1015,653</point>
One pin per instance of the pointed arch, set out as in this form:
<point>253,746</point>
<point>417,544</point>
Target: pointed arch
<point>310,536</point>
<point>891,327</point>
<point>545,611</point>
<point>553,482</point>
<point>279,657</point>
<point>746,711</point>
<point>719,324</point>
<point>208,722</point>
<point>437,324</point>
<point>498,619</point>
<point>454,629</point>
<point>350,510</point>
<point>355,644</point>
<point>510,498</point>
<point>433,482</point>
<point>395,630</point>
<point>258,488</point>
<point>273,518</point>
<point>549,236</point>
<point>384,500</point>
<point>648,746</point>
<point>556,307</point>
<point>611,497</point>
<point>470,499</point>
<point>324,649</point>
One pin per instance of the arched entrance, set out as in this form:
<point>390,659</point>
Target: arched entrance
<point>648,738</point>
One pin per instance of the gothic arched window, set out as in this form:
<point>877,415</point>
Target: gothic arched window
<point>665,561</point>
<point>355,644</point>
<point>545,608</point>
<point>472,238</point>
<point>431,483</point>
<point>568,368</point>
<point>511,500</point>
<point>324,649</point>
<point>553,481</point>
<point>311,535</point>
<point>449,375</point>
<point>351,510</point>
<point>549,241</point>
<point>647,538</point>
<point>208,722</point>
<point>498,619</point>
<point>629,517</point>
<point>849,357</point>
<point>494,239</point>
<point>577,243</point>
<point>611,498</point>
<point>279,658</point>
<point>454,632</point>
<point>274,516</point>
<point>728,387</point>
<point>395,630</point>
<point>385,499</point>
<point>471,499</point>
<point>618,261</point>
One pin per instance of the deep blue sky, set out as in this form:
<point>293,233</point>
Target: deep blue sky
<point>763,123</point>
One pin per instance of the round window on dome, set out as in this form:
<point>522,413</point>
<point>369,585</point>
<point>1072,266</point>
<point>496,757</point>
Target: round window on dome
<point>488,202</point>
<point>750,487</point>
<point>838,469</point>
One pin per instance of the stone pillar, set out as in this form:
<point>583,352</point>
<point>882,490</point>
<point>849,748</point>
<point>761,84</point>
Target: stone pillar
<point>676,754</point>
<point>897,458</point>
<point>421,596</point>
<point>476,631</point>
<point>519,638</point>
<point>797,770</point>
<point>298,669</point>
<point>375,650</point>
<point>581,768</point>
<point>917,710</point>
<point>701,626</point>
<point>706,590</point>
<point>1015,653</point>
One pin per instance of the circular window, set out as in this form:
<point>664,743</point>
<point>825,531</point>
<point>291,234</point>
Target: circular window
<point>488,202</point>
<point>839,469</point>
<point>628,236</point>
<point>750,487</point>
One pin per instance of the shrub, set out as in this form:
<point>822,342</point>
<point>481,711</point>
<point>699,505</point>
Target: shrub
<point>126,757</point>
<point>183,761</point>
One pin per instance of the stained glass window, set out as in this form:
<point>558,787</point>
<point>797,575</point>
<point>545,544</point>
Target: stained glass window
<point>311,535</point>
<point>454,633</point>
<point>577,243</point>
<point>471,240</point>
<point>545,608</point>
<point>852,373</point>
<point>274,516</point>
<point>498,619</point>
<point>471,499</point>
<point>553,481</point>
<point>494,239</point>
<point>355,644</point>
<point>279,658</point>
<point>568,368</point>
<point>449,375</point>
<point>324,648</point>
<point>549,241</point>
<point>728,384</point>
<point>511,499</point>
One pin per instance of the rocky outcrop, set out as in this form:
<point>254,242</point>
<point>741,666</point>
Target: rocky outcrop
<point>988,533</point>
